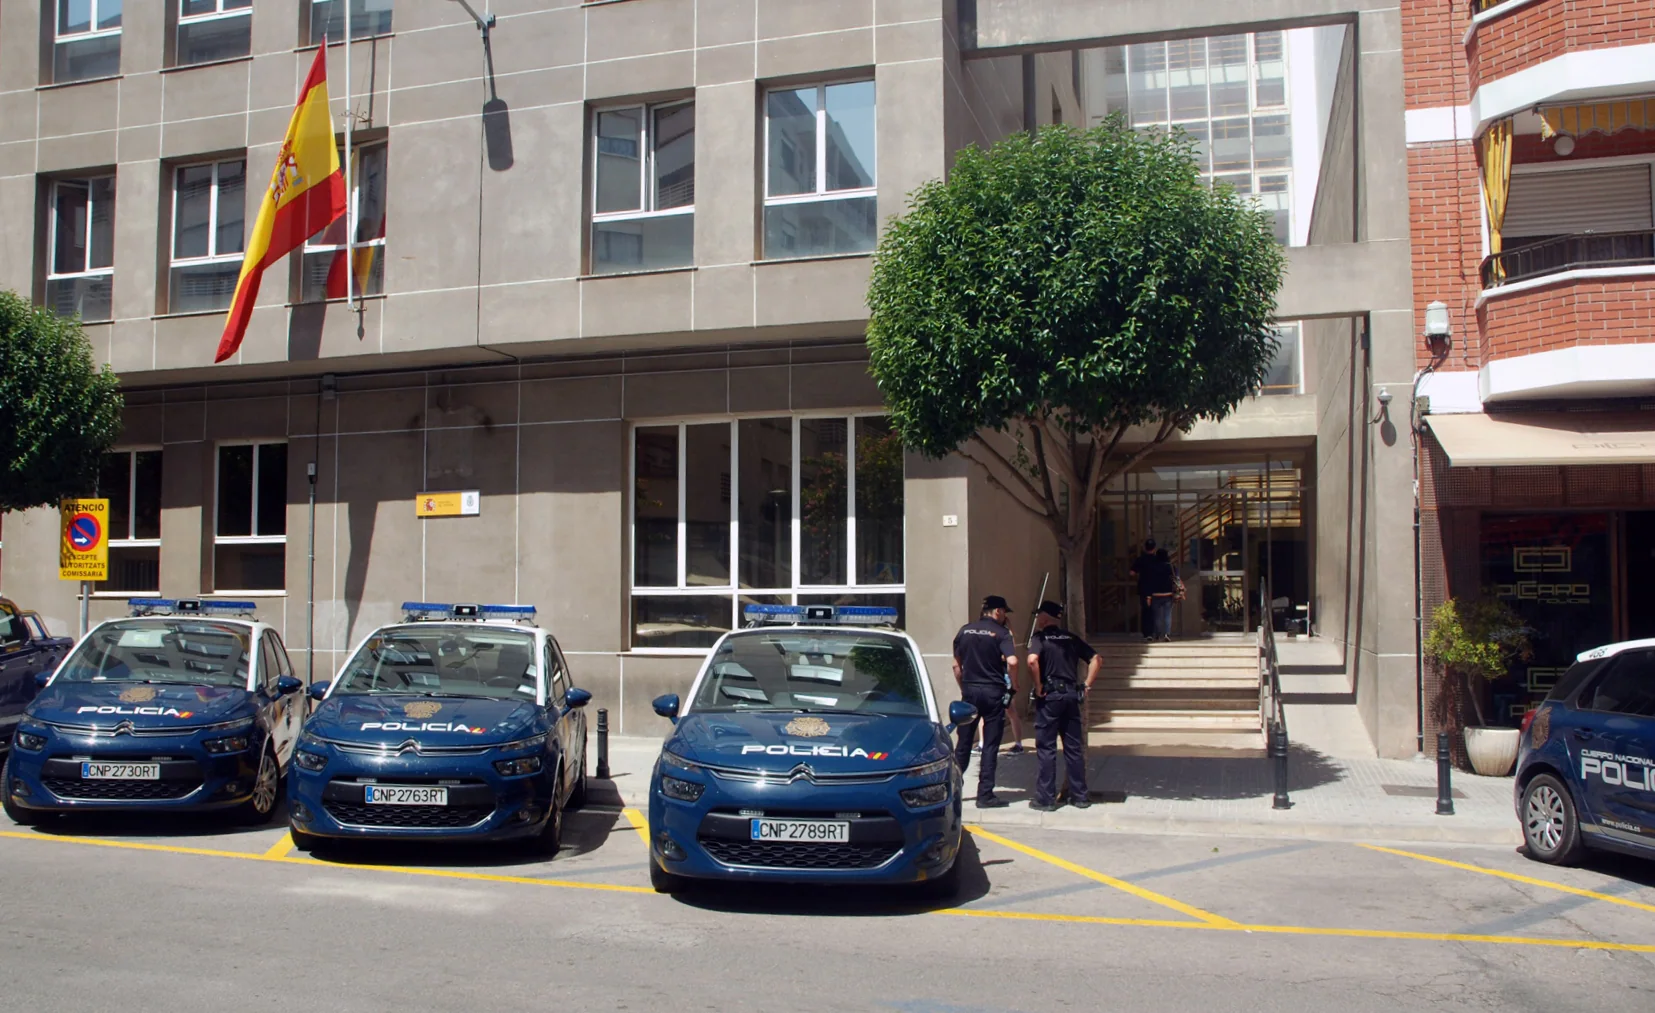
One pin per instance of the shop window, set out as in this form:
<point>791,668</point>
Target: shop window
<point>209,215</point>
<point>368,18</point>
<point>131,481</point>
<point>643,198</point>
<point>81,245</point>
<point>210,30</point>
<point>86,41</point>
<point>250,534</point>
<point>326,262</point>
<point>775,510</point>
<point>819,171</point>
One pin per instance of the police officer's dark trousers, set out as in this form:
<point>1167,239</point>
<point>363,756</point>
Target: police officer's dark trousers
<point>991,715</point>
<point>1059,713</point>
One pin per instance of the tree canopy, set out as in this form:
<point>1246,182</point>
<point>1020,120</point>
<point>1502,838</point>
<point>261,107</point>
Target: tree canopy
<point>1063,288</point>
<point>58,411</point>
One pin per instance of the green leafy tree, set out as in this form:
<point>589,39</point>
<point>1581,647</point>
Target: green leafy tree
<point>1475,642</point>
<point>1082,295</point>
<point>58,411</point>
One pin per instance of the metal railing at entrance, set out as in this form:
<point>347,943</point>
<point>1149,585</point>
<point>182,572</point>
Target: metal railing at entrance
<point>1272,712</point>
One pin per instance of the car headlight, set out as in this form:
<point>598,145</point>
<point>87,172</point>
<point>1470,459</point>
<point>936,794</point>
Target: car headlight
<point>532,742</point>
<point>29,741</point>
<point>668,756</point>
<point>309,760</point>
<point>929,795</point>
<point>683,791</point>
<point>930,768</point>
<point>228,744</point>
<point>521,765</point>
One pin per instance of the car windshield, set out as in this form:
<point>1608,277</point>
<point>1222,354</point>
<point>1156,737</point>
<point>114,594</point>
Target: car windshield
<point>186,652</point>
<point>848,671</point>
<point>457,660</point>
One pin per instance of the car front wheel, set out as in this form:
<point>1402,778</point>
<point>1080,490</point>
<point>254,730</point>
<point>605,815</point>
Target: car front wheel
<point>267,783</point>
<point>1551,829</point>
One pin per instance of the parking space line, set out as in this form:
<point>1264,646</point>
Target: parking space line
<point>1107,880</point>
<point>1514,877</point>
<point>281,849</point>
<point>639,824</point>
<point>100,842</point>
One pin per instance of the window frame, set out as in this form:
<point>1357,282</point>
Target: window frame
<point>649,195</point>
<point>221,13</point>
<point>253,517</point>
<point>820,194</point>
<point>353,214</point>
<point>1282,327</point>
<point>733,592</point>
<point>84,182</point>
<point>309,39</point>
<point>212,257</point>
<point>129,541</point>
<point>94,32</point>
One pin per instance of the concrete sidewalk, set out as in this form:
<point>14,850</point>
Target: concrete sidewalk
<point>1349,799</point>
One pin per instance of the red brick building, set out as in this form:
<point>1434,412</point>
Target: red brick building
<point>1531,144</point>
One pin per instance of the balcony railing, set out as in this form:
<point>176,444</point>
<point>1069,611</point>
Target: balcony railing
<point>1556,254</point>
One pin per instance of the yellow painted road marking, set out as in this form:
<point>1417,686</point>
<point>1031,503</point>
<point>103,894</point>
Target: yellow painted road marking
<point>281,848</point>
<point>1222,925</point>
<point>1120,884</point>
<point>1515,877</point>
<point>639,824</point>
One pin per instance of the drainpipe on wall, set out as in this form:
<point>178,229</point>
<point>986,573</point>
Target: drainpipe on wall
<point>1415,426</point>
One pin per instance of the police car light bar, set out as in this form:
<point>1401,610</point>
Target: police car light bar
<point>425,611</point>
<point>820,615</point>
<point>189,606</point>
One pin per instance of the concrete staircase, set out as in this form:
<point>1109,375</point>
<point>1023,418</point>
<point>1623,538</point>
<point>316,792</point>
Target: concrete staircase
<point>1185,698</point>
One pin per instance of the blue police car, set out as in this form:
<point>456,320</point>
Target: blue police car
<point>810,750</point>
<point>1586,768</point>
<point>183,705</point>
<point>460,723</point>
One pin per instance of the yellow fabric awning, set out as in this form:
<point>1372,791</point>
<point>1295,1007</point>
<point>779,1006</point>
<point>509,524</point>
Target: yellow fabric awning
<point>1545,438</point>
<point>1602,117</point>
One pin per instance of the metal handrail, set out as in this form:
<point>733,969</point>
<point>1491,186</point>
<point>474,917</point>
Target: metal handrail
<point>1272,713</point>
<point>1557,254</point>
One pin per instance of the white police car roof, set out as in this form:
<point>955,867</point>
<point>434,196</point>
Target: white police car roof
<point>1610,650</point>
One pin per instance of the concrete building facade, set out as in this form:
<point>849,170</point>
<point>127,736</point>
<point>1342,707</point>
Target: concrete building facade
<point>610,276</point>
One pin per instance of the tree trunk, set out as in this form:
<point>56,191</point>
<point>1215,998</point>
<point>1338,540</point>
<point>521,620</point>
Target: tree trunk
<point>1074,610</point>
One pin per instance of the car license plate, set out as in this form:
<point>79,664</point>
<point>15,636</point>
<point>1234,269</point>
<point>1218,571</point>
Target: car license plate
<point>802,831</point>
<point>405,794</point>
<point>120,771</point>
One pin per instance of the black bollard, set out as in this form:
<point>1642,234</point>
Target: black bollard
<point>1445,784</point>
<point>1278,752</point>
<point>603,743</point>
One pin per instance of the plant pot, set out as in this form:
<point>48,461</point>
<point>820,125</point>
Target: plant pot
<point>1492,751</point>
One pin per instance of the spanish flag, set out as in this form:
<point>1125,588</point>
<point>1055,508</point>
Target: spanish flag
<point>306,194</point>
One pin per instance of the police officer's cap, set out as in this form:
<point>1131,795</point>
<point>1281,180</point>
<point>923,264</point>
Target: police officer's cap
<point>994,601</point>
<point>1052,609</point>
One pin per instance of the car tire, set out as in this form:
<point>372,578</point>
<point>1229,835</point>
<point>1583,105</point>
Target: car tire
<point>303,842</point>
<point>19,815</point>
<point>944,888</point>
<point>662,880</point>
<point>1551,826</point>
<point>577,794</point>
<point>549,840</point>
<point>261,806</point>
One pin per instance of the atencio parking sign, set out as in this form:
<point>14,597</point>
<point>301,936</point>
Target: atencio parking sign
<point>83,553</point>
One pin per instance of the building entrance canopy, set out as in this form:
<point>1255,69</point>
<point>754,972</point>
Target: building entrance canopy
<point>1545,438</point>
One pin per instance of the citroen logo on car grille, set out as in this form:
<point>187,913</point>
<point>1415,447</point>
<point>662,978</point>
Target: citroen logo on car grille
<point>408,746</point>
<point>124,728</point>
<point>801,770</point>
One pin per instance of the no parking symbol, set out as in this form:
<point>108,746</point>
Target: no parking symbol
<point>84,551</point>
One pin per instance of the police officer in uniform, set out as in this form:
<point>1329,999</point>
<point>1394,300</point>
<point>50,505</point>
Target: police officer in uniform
<point>985,666</point>
<point>1055,655</point>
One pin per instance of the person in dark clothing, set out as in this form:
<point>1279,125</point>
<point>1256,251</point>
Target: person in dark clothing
<point>1140,570</point>
<point>1055,655</point>
<point>985,666</point>
<point>1162,589</point>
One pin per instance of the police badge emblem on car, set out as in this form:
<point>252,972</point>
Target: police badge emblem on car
<point>807,727</point>
<point>138,694</point>
<point>422,709</point>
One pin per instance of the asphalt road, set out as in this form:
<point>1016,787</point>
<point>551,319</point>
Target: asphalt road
<point>127,914</point>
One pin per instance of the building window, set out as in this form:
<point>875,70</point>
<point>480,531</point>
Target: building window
<point>322,273</point>
<point>82,245</point>
<point>643,196</point>
<point>1286,374</point>
<point>779,510</point>
<point>87,40</point>
<point>819,196</point>
<point>211,30</point>
<point>131,481</point>
<point>209,211</point>
<point>368,18</point>
<point>250,537</point>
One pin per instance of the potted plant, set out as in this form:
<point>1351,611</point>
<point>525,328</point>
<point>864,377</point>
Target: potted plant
<point>1475,642</point>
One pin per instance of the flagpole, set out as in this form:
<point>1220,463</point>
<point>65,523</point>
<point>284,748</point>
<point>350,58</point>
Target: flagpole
<point>350,194</point>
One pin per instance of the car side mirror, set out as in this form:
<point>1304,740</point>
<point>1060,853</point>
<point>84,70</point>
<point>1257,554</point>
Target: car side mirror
<point>318,690</point>
<point>287,684</point>
<point>960,713</point>
<point>41,679</point>
<point>577,698</point>
<point>666,705</point>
